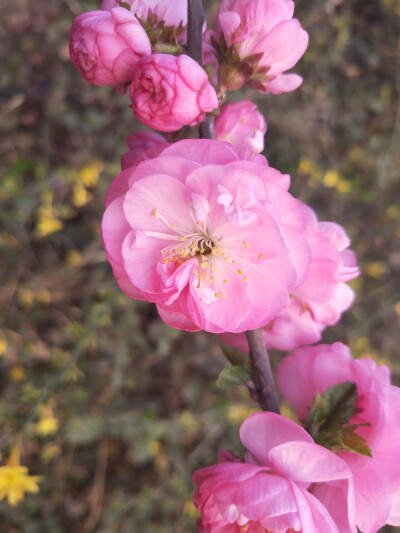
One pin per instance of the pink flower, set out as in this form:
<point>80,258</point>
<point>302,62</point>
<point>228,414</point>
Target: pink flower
<point>169,92</point>
<point>377,478</point>
<point>250,129</point>
<point>258,40</point>
<point>208,232</point>
<point>268,492</point>
<point>172,13</point>
<point>320,299</point>
<point>240,122</point>
<point>140,146</point>
<point>105,46</point>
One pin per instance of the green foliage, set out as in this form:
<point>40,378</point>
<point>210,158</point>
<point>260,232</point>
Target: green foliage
<point>232,376</point>
<point>327,418</point>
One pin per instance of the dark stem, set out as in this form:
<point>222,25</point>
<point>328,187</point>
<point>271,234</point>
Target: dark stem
<point>206,129</point>
<point>262,373</point>
<point>196,19</point>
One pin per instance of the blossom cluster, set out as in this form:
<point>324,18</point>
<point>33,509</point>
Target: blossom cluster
<point>138,45</point>
<point>289,482</point>
<point>209,232</point>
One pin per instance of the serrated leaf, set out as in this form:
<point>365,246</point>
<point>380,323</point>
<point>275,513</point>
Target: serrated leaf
<point>328,416</point>
<point>355,442</point>
<point>232,376</point>
<point>331,410</point>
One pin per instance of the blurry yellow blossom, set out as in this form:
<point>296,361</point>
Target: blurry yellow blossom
<point>48,222</point>
<point>397,308</point>
<point>26,298</point>
<point>3,346</point>
<point>48,424</point>
<point>188,420</point>
<point>15,480</point>
<point>44,297</point>
<point>72,374</point>
<point>306,166</point>
<point>17,373</point>
<point>375,269</point>
<point>333,179</point>
<point>50,452</point>
<point>154,448</point>
<point>74,258</point>
<point>89,175</point>
<point>80,195</point>
<point>237,413</point>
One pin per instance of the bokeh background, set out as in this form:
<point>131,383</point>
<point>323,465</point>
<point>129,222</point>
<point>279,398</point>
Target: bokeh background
<point>110,406</point>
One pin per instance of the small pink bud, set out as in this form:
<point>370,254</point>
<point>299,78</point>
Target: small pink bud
<point>106,45</point>
<point>170,92</point>
<point>240,122</point>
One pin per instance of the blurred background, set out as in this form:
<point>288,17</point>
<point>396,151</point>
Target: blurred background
<point>113,409</point>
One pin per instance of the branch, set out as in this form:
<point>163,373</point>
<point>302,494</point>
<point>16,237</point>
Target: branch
<point>196,19</point>
<point>262,374</point>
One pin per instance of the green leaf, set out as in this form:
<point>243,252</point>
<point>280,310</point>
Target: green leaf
<point>332,409</point>
<point>328,416</point>
<point>235,356</point>
<point>232,376</point>
<point>355,442</point>
<point>125,5</point>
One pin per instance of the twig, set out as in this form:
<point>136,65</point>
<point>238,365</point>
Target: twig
<point>262,374</point>
<point>196,19</point>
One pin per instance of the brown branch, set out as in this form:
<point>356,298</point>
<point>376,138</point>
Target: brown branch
<point>194,46</point>
<point>196,19</point>
<point>262,373</point>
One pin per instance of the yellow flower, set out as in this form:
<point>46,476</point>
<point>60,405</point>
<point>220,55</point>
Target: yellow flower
<point>3,346</point>
<point>47,426</point>
<point>15,480</point>
<point>48,221</point>
<point>89,175</point>
<point>17,373</point>
<point>80,195</point>
<point>48,423</point>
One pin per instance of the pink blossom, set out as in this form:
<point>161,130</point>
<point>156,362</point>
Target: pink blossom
<point>320,299</point>
<point>140,144</point>
<point>105,46</point>
<point>268,492</point>
<point>169,92</point>
<point>172,13</point>
<point>250,131</point>
<point>240,122</point>
<point>208,232</point>
<point>261,41</point>
<point>377,478</point>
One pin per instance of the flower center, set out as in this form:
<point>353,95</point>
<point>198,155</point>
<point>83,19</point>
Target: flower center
<point>215,263</point>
